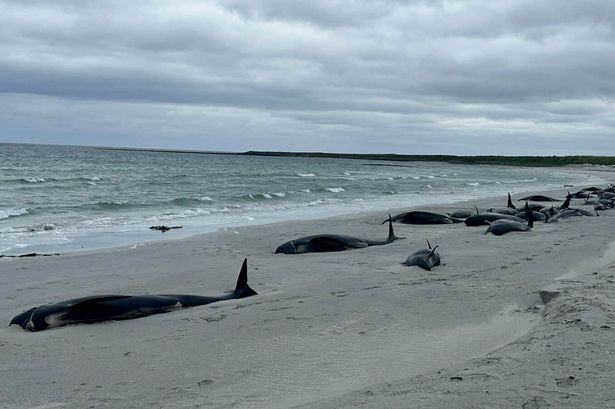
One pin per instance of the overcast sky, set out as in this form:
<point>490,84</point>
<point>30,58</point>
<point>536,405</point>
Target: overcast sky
<point>456,77</point>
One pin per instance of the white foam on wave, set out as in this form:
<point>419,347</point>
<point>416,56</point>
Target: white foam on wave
<point>335,189</point>
<point>11,212</point>
<point>192,212</point>
<point>35,180</point>
<point>279,194</point>
<point>306,175</point>
<point>416,177</point>
<point>206,199</point>
<point>473,183</point>
<point>305,190</point>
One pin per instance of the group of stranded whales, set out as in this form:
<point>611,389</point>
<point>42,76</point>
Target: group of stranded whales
<point>100,308</point>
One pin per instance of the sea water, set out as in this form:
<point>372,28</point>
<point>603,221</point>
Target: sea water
<point>67,198</point>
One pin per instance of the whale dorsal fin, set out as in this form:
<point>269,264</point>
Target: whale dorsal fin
<point>530,215</point>
<point>433,251</point>
<point>242,289</point>
<point>510,203</point>
<point>242,280</point>
<point>392,237</point>
<point>566,203</point>
<point>477,212</point>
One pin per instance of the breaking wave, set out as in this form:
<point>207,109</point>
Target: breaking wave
<point>6,213</point>
<point>335,189</point>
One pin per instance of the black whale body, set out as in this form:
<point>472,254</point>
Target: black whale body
<point>540,198</point>
<point>483,219</point>
<point>88,310</point>
<point>503,226</point>
<point>420,217</point>
<point>424,258</point>
<point>321,243</point>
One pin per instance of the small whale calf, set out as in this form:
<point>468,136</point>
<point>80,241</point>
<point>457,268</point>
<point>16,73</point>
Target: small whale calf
<point>99,308</point>
<point>332,242</point>
<point>424,258</point>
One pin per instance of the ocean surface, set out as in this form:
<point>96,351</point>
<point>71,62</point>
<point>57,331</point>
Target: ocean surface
<point>66,198</point>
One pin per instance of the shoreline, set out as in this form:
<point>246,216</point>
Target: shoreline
<point>319,321</point>
<point>103,239</point>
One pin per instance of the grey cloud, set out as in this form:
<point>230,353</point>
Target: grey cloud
<point>386,75</point>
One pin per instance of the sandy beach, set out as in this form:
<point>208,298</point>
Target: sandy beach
<point>329,330</point>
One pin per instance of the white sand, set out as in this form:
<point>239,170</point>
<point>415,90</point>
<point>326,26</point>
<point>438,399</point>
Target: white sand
<point>328,330</point>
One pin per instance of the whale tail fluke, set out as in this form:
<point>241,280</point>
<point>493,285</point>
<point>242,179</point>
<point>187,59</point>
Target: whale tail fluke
<point>510,203</point>
<point>242,289</point>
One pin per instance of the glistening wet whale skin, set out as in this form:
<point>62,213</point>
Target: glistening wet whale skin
<point>332,242</point>
<point>424,258</point>
<point>420,217</point>
<point>89,310</point>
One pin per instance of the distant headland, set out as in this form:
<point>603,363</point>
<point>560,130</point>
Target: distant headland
<point>463,160</point>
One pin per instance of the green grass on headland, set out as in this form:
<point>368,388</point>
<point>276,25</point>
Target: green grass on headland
<point>466,160</point>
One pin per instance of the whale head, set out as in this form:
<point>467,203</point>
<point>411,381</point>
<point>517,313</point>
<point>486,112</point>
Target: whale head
<point>24,320</point>
<point>287,248</point>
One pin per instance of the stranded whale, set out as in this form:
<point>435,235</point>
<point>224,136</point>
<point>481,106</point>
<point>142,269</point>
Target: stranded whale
<point>502,226</point>
<point>424,258</point>
<point>89,310</point>
<point>332,242</point>
<point>482,219</point>
<point>420,217</point>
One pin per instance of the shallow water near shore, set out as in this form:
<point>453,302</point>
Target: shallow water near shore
<point>64,198</point>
